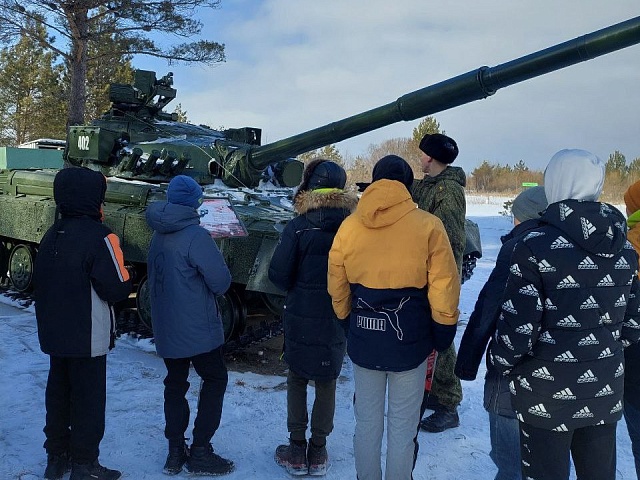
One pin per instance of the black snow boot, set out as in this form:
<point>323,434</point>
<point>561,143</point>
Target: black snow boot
<point>293,457</point>
<point>442,419</point>
<point>318,459</point>
<point>177,457</point>
<point>57,466</point>
<point>93,471</point>
<point>203,461</point>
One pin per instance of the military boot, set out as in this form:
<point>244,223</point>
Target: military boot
<point>442,419</point>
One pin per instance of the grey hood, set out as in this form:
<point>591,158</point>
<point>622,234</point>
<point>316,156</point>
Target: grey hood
<point>574,174</point>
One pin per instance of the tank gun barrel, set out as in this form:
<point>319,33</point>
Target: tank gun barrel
<point>465,88</point>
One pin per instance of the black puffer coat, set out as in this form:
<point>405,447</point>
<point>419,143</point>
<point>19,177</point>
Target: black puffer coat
<point>482,326</point>
<point>313,336</point>
<point>570,304</point>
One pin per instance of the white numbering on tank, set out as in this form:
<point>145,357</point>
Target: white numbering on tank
<point>83,142</point>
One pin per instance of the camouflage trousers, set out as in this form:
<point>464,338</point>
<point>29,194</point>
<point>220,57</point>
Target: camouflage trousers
<point>446,385</point>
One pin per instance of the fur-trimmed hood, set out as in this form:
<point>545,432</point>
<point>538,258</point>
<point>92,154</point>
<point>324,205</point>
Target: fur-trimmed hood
<point>315,199</point>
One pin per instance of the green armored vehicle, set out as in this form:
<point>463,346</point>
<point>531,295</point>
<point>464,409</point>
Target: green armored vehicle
<point>248,186</point>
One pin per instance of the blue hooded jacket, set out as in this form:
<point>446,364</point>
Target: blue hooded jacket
<point>186,271</point>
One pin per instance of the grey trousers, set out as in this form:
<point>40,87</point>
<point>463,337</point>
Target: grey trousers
<point>403,393</point>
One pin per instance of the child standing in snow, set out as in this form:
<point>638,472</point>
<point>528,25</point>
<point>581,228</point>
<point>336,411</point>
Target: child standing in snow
<point>392,274</point>
<point>503,424</point>
<point>79,274</point>
<point>314,341</point>
<point>570,305</point>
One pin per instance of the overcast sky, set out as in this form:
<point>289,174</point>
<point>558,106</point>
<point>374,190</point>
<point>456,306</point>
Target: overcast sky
<point>296,65</point>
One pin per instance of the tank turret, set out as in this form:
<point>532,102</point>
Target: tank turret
<point>139,147</point>
<point>136,139</point>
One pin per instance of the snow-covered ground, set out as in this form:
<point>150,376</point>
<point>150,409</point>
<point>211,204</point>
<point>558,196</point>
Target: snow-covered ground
<point>254,416</point>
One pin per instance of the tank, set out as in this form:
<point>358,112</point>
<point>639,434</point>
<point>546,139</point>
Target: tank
<point>139,148</point>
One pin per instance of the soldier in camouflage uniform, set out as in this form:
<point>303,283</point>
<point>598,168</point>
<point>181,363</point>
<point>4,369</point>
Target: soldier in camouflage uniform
<point>441,192</point>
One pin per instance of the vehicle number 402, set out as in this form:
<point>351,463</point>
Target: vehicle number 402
<point>83,142</point>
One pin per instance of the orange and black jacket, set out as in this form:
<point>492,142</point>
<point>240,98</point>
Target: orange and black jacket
<point>79,271</point>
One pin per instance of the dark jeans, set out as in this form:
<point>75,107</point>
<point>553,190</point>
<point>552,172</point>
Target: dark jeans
<point>545,454</point>
<point>324,407</point>
<point>632,417</point>
<point>75,400</point>
<point>213,372</point>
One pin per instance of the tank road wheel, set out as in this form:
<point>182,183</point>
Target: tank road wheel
<point>233,314</point>
<point>143,303</point>
<point>21,267</point>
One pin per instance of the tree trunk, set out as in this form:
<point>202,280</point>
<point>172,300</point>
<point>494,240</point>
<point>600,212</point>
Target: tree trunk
<point>78,93</point>
<point>77,69</point>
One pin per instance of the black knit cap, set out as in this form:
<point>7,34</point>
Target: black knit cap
<point>444,149</point>
<point>393,167</point>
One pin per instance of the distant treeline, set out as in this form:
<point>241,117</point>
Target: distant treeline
<point>486,178</point>
<point>505,178</point>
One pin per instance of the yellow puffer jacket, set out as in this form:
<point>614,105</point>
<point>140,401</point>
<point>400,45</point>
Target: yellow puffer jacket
<point>384,254</point>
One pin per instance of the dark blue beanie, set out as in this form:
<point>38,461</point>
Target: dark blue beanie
<point>393,167</point>
<point>184,190</point>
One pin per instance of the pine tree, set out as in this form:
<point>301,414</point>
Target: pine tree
<point>328,152</point>
<point>427,125</point>
<point>129,22</point>
<point>31,91</point>
<point>106,66</point>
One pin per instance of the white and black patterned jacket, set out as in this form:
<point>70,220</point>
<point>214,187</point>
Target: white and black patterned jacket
<point>570,305</point>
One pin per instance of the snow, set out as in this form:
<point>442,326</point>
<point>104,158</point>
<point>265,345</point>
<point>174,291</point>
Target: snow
<point>254,415</point>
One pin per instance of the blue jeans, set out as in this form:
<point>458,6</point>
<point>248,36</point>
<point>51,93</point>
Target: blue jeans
<point>632,417</point>
<point>505,446</point>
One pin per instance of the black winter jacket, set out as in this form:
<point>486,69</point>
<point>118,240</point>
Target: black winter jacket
<point>79,272</point>
<point>482,326</point>
<point>570,304</point>
<point>314,339</point>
